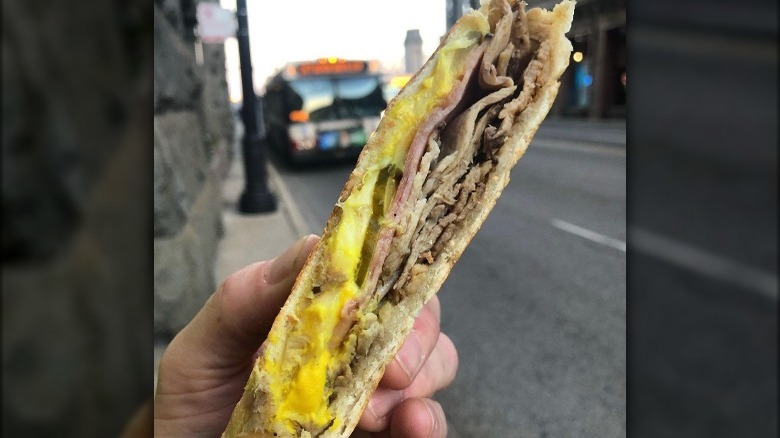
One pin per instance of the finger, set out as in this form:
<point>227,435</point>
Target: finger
<point>401,372</point>
<point>141,424</point>
<point>359,433</point>
<point>236,318</point>
<point>418,418</point>
<point>376,415</point>
<point>438,372</point>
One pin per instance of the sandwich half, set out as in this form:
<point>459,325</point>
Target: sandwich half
<point>421,189</point>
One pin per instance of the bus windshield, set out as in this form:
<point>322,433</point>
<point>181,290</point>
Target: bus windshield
<point>332,98</point>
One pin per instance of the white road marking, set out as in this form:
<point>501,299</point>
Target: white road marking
<point>577,146</point>
<point>704,263</point>
<point>588,234</point>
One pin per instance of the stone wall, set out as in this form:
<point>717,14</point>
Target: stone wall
<point>76,188</point>
<point>79,144</point>
<point>193,135</point>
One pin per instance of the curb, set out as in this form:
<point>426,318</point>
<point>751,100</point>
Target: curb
<point>290,208</point>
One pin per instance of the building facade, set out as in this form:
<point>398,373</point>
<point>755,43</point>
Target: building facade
<point>594,85</point>
<point>456,9</point>
<point>413,57</point>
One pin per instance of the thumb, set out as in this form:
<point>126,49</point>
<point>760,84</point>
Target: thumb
<point>237,317</point>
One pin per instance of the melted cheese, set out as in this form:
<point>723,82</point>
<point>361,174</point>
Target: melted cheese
<point>301,390</point>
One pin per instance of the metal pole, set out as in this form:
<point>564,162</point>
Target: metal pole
<point>256,198</point>
<point>455,12</point>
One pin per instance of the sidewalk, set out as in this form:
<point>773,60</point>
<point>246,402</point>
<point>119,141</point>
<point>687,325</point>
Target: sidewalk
<point>251,238</point>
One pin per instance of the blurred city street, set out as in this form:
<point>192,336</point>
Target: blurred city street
<point>568,298</point>
<point>702,231</point>
<point>537,303</point>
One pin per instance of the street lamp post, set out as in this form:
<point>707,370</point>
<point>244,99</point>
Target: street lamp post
<point>256,198</point>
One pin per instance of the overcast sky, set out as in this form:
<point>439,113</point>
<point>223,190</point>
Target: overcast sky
<point>284,31</point>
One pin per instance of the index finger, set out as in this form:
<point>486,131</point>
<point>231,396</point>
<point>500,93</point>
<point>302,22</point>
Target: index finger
<point>417,347</point>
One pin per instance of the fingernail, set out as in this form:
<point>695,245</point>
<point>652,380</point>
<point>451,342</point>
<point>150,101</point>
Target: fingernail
<point>285,265</point>
<point>383,401</point>
<point>410,357</point>
<point>438,420</point>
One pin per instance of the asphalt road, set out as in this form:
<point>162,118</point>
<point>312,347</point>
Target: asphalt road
<point>703,230</point>
<point>537,303</point>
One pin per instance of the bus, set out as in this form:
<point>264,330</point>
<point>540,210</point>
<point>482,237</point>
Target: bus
<point>394,84</point>
<point>327,108</point>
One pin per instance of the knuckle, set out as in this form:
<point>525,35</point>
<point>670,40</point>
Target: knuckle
<point>395,377</point>
<point>230,283</point>
<point>427,322</point>
<point>449,363</point>
<point>450,353</point>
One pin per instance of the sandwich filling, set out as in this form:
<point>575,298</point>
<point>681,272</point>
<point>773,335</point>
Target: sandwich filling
<point>319,348</point>
<point>437,147</point>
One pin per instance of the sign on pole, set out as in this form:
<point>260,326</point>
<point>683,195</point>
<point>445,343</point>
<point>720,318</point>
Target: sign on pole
<point>215,24</point>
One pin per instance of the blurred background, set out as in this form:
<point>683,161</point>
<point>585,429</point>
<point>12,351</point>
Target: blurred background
<point>76,213</point>
<point>537,305</point>
<point>137,175</point>
<point>702,237</point>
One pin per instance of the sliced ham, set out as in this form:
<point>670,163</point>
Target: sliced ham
<point>368,283</point>
<point>489,77</point>
<point>412,163</point>
<point>468,147</point>
<point>450,158</point>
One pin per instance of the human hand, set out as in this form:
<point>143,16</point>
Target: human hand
<point>204,369</point>
<point>426,363</point>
